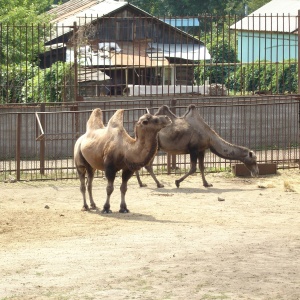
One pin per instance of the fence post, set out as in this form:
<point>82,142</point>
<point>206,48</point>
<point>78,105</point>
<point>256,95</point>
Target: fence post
<point>173,156</point>
<point>42,142</point>
<point>18,146</point>
<point>75,61</point>
<point>298,52</point>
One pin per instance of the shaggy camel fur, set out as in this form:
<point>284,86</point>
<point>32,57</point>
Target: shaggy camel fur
<point>111,149</point>
<point>190,134</point>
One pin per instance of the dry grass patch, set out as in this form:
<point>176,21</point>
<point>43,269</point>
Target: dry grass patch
<point>288,186</point>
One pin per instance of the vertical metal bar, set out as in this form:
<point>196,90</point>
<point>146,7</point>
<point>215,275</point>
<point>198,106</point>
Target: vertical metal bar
<point>173,157</point>
<point>42,142</point>
<point>298,114</point>
<point>298,52</point>
<point>75,61</point>
<point>18,146</point>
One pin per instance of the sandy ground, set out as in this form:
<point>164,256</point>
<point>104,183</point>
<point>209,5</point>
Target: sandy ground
<point>174,244</point>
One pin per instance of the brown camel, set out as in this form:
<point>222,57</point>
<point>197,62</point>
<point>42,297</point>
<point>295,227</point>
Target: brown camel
<point>111,149</point>
<point>190,134</point>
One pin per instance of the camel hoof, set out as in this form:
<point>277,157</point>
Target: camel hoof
<point>94,207</point>
<point>207,185</point>
<point>85,208</point>
<point>143,185</point>
<point>106,211</point>
<point>177,182</point>
<point>159,185</point>
<point>124,211</point>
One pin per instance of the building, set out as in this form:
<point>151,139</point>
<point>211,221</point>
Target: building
<point>269,33</point>
<point>137,51</point>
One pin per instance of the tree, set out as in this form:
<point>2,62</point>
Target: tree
<point>49,85</point>
<point>11,10</point>
<point>20,29</point>
<point>21,40</point>
<point>239,7</point>
<point>222,50</point>
<point>196,7</point>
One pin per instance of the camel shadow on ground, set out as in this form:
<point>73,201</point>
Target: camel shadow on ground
<point>183,190</point>
<point>130,216</point>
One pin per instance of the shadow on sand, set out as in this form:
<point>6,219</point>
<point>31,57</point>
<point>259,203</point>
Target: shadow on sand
<point>130,216</point>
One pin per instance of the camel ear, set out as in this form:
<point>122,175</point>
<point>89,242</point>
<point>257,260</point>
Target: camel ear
<point>250,154</point>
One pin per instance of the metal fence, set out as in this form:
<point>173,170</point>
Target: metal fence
<point>36,141</point>
<point>137,55</point>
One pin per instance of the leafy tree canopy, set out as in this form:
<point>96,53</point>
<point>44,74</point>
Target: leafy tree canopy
<point>195,7</point>
<point>23,11</point>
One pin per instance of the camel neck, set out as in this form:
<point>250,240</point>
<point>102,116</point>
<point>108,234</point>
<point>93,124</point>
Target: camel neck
<point>223,149</point>
<point>144,150</point>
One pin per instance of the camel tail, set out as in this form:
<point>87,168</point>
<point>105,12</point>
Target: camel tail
<point>95,120</point>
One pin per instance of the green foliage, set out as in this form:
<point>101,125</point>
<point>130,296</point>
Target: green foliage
<point>238,7</point>
<point>22,42</point>
<point>287,77</point>
<point>264,76</point>
<point>48,85</point>
<point>218,69</point>
<point>221,49</point>
<point>20,11</point>
<point>12,78</point>
<point>22,36</point>
<point>197,7</point>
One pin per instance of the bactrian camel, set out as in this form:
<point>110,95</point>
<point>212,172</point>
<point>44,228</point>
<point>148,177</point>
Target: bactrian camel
<point>190,134</point>
<point>111,149</point>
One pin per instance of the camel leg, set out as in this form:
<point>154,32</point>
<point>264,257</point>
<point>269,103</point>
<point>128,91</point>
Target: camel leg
<point>126,174</point>
<point>89,183</point>
<point>90,176</point>
<point>81,173</point>
<point>149,168</point>
<point>193,159</point>
<point>201,167</point>
<point>110,174</point>
<point>137,174</point>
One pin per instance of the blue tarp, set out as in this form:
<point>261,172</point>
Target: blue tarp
<point>182,22</point>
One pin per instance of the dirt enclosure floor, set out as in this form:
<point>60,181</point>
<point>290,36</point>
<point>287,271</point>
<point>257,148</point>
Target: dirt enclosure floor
<point>239,239</point>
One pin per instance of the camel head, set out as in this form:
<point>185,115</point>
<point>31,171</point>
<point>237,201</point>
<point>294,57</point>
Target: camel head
<point>151,124</point>
<point>250,162</point>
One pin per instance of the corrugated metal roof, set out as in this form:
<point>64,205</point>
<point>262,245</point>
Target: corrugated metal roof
<point>193,52</point>
<point>275,16</point>
<point>68,8</point>
<point>77,11</point>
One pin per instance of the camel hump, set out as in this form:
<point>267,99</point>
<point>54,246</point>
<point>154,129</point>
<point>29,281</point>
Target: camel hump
<point>193,117</point>
<point>190,108</point>
<point>117,119</point>
<point>165,110</point>
<point>95,120</point>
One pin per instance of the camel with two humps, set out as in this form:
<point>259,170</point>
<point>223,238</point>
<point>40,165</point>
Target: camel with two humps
<point>190,134</point>
<point>111,149</point>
